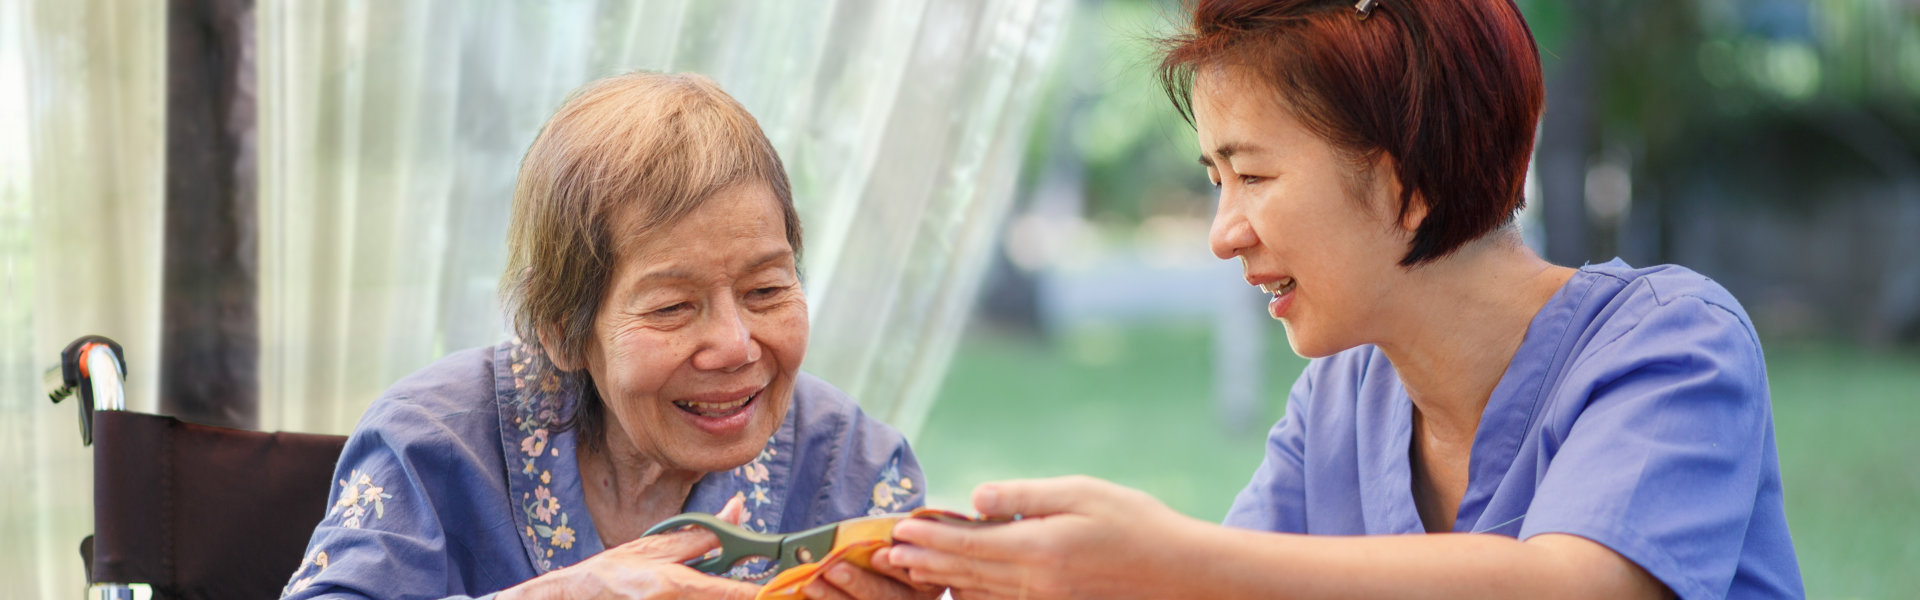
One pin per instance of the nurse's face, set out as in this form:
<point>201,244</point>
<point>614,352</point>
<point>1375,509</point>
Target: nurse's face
<point>697,343</point>
<point>1289,210</point>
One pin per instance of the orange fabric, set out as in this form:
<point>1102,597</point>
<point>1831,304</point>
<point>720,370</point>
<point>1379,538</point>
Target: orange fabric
<point>787,585</point>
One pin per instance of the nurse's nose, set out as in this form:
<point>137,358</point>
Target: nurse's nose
<point>726,342</point>
<point>1230,234</point>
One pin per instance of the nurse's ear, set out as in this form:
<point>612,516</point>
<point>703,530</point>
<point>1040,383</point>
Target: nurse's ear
<point>1414,214</point>
<point>1384,189</point>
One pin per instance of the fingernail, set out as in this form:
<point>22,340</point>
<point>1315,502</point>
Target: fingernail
<point>815,590</point>
<point>901,556</point>
<point>986,500</point>
<point>840,574</point>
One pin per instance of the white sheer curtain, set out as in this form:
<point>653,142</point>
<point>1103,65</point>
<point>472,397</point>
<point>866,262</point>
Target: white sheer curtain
<point>81,83</point>
<point>390,135</point>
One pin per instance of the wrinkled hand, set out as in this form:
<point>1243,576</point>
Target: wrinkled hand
<point>887,581</point>
<point>649,567</point>
<point>1078,537</point>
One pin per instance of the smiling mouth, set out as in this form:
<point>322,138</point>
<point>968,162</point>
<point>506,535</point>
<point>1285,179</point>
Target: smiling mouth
<point>715,410</point>
<point>1278,288</point>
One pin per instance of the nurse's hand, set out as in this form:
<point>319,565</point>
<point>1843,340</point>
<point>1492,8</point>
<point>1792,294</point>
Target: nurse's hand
<point>1078,537</point>
<point>887,581</point>
<point>648,567</point>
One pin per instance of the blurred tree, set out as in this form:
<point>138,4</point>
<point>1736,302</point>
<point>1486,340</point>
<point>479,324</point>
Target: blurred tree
<point>1775,104</point>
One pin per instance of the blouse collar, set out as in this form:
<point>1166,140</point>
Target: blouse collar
<point>543,473</point>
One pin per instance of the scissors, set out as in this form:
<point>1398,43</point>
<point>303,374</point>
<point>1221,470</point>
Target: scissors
<point>789,550</point>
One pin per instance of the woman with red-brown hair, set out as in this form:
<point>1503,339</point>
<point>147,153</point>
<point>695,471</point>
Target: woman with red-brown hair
<point>1596,432</point>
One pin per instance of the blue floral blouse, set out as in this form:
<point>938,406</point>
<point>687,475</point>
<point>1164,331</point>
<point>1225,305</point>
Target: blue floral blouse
<point>455,483</point>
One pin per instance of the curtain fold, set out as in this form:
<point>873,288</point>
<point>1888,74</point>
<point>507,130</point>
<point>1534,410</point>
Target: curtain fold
<point>81,125</point>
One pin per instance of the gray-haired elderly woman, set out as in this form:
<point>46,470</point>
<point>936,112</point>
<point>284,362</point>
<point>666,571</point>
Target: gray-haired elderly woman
<point>661,324</point>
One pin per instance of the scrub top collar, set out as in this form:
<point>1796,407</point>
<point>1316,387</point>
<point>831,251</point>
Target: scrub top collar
<point>1386,470</point>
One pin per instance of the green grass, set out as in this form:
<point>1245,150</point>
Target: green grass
<point>1135,406</point>
<point>1845,421</point>
<point>1131,406</point>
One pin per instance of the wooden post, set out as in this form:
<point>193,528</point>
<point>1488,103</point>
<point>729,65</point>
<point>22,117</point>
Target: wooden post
<point>210,341</point>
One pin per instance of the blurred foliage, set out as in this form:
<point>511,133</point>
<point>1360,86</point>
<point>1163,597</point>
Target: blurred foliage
<point>1774,98</point>
<point>1106,124</point>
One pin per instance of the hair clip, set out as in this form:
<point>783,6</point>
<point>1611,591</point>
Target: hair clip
<point>1364,8</point>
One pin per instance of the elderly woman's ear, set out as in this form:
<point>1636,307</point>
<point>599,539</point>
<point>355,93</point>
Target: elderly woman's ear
<point>550,341</point>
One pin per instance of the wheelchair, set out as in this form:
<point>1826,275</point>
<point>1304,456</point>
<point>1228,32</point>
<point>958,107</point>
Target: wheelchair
<point>186,510</point>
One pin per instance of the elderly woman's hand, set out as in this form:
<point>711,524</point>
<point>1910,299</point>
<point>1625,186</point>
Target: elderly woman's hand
<point>649,567</point>
<point>887,581</point>
<point>1079,537</point>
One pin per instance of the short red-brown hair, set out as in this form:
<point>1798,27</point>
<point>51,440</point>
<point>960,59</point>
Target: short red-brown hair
<point>1450,89</point>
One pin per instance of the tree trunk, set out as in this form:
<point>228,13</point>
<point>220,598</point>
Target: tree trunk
<point>1566,135</point>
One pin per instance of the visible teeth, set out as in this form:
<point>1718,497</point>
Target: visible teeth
<point>1283,285</point>
<point>713,407</point>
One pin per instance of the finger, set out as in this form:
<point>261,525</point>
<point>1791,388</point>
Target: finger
<point>1007,542</point>
<point>680,545</point>
<point>1039,497</point>
<point>821,590</point>
<point>930,567</point>
<point>860,583</point>
<point>735,508</point>
<point>882,563</point>
<point>949,539</point>
<point>702,585</point>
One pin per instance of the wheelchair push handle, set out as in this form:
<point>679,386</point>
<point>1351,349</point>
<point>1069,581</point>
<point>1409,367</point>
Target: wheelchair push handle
<point>95,368</point>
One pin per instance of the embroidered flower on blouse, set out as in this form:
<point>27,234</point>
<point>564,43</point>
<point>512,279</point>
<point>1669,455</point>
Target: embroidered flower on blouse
<point>357,493</point>
<point>759,485</point>
<point>535,412</point>
<point>893,492</point>
<point>544,504</point>
<point>316,560</point>
<point>535,443</point>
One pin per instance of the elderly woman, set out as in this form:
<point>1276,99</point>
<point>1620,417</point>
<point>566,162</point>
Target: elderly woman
<point>661,324</point>
<point>1597,432</point>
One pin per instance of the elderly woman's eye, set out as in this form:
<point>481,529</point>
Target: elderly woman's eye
<point>668,310</point>
<point>766,291</point>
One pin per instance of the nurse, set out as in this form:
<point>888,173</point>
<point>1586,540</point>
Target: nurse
<point>1476,422</point>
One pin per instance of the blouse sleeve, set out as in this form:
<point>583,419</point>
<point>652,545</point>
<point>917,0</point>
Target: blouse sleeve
<point>880,473</point>
<point>847,463</point>
<point>1664,457</point>
<point>1275,500</point>
<point>380,536</point>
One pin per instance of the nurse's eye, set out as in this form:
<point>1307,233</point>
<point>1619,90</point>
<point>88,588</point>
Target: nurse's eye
<point>1251,179</point>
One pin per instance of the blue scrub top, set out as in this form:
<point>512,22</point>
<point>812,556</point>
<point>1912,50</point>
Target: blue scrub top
<point>1635,414</point>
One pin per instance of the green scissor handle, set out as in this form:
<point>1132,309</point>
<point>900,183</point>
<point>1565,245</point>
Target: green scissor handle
<point>737,543</point>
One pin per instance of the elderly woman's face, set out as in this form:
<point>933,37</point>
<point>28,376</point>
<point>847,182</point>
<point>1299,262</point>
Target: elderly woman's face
<point>1328,260</point>
<point>696,345</point>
